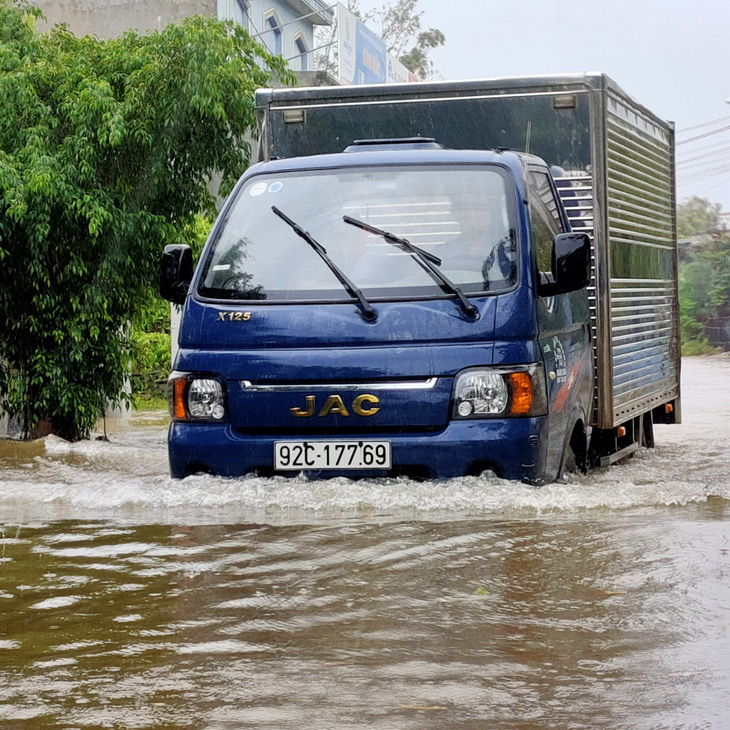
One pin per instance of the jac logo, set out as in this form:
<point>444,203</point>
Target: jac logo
<point>363,405</point>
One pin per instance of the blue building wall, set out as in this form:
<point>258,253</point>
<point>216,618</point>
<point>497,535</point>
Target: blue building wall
<point>285,27</point>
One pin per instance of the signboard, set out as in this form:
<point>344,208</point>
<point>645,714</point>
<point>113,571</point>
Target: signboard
<point>396,72</point>
<point>346,53</point>
<point>362,56</point>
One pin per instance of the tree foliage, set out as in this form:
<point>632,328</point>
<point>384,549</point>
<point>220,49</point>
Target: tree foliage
<point>704,277</point>
<point>417,59</point>
<point>400,30</point>
<point>106,152</point>
<point>150,333</point>
<point>697,215</point>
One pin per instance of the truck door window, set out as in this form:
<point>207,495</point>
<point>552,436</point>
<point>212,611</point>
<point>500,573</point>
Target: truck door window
<point>464,216</point>
<point>545,220</point>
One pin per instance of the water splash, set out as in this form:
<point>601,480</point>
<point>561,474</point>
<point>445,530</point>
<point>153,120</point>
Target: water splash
<point>126,480</point>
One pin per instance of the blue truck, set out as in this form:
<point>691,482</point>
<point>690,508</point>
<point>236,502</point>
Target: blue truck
<point>433,281</point>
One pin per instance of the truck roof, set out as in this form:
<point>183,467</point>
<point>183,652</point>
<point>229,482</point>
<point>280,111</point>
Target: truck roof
<point>386,155</point>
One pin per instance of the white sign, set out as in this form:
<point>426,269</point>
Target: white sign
<point>346,44</point>
<point>397,73</point>
<point>362,55</point>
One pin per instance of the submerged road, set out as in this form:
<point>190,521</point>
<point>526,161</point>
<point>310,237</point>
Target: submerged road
<point>130,600</point>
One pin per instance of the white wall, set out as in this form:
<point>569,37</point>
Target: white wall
<point>110,18</point>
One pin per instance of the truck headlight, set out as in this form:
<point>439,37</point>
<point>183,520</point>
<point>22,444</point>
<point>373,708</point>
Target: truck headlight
<point>196,399</point>
<point>505,392</point>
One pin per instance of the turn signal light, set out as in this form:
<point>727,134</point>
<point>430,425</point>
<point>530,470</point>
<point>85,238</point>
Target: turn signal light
<point>500,392</point>
<point>192,398</point>
<point>521,383</point>
<point>621,431</point>
<point>178,398</point>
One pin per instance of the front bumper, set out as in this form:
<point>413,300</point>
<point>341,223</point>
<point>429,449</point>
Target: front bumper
<point>512,448</point>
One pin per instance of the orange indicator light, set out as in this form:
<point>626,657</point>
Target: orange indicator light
<point>521,393</point>
<point>178,403</point>
<point>621,431</point>
<point>669,408</point>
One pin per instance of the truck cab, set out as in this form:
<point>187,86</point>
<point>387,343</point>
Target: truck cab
<point>396,308</point>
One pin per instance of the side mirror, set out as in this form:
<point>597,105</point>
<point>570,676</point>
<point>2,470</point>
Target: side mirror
<point>176,273</point>
<point>571,265</point>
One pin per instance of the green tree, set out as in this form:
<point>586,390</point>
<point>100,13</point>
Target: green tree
<point>697,215</point>
<point>695,306</point>
<point>150,334</point>
<point>400,30</point>
<point>106,152</point>
<point>417,59</point>
<point>704,289</point>
<point>718,256</point>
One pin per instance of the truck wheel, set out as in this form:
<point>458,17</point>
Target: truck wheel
<point>576,453</point>
<point>570,463</point>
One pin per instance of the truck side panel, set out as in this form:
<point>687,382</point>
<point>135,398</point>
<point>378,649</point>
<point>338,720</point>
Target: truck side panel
<point>642,364</point>
<point>628,206</point>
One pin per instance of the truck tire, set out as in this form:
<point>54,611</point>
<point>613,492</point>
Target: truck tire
<point>575,459</point>
<point>570,463</point>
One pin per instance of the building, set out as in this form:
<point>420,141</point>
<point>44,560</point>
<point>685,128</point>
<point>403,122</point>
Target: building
<point>285,27</point>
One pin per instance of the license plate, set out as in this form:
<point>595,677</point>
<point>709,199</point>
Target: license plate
<point>297,455</point>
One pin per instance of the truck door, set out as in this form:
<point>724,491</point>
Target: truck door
<point>562,323</point>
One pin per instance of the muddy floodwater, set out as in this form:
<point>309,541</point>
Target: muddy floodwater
<point>129,600</point>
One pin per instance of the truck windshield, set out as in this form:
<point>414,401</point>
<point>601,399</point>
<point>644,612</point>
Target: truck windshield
<point>461,215</point>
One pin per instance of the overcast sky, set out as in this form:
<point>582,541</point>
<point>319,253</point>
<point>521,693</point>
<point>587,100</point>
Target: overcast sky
<point>671,55</point>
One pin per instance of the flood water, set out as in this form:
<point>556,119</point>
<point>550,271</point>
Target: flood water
<point>129,600</point>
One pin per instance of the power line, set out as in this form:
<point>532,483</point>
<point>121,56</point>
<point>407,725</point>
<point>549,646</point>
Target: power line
<point>311,50</point>
<point>706,134</point>
<point>716,185</point>
<point>711,146</point>
<point>297,19</point>
<point>703,175</point>
<point>704,124</point>
<point>711,156</point>
<point>704,165</point>
<point>721,165</point>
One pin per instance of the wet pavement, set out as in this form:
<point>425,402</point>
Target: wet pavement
<point>130,600</point>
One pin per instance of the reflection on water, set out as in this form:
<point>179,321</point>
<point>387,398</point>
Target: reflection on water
<point>546,623</point>
<point>129,600</point>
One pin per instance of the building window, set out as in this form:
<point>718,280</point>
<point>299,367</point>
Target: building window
<point>271,23</point>
<point>301,47</point>
<point>240,12</point>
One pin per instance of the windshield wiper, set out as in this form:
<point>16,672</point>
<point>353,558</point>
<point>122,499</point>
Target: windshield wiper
<point>426,259</point>
<point>403,243</point>
<point>366,310</point>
